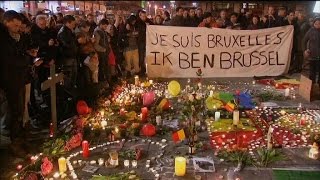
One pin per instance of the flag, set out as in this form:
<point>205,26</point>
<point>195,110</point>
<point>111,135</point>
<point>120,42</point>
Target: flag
<point>229,106</point>
<point>164,104</point>
<point>178,135</point>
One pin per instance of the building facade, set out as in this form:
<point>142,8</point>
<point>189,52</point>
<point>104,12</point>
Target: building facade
<point>85,7</point>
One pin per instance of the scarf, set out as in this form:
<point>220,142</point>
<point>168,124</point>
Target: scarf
<point>94,67</point>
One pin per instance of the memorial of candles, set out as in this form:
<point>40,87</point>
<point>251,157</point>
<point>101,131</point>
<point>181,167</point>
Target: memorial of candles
<point>264,127</point>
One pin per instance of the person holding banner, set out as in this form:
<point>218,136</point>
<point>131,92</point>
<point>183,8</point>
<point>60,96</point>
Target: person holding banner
<point>271,21</point>
<point>224,19</point>
<point>311,44</point>
<point>178,19</point>
<point>141,26</point>
<point>295,65</point>
<point>255,23</point>
<point>207,21</point>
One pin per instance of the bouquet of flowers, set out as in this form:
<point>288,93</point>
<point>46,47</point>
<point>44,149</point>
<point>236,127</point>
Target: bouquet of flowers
<point>74,142</point>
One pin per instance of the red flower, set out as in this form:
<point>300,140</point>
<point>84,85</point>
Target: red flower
<point>74,142</point>
<point>46,166</point>
<point>138,153</point>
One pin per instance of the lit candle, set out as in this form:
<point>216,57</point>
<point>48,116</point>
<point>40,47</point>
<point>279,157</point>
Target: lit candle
<point>136,80</point>
<point>56,175</point>
<point>122,112</point>
<point>236,117</point>
<point>126,163</point>
<point>62,165</point>
<point>101,161</point>
<point>134,163</point>
<point>180,166</point>
<point>286,92</point>
<point>133,91</point>
<point>102,113</point>
<point>104,123</point>
<point>211,94</point>
<point>150,81</point>
<point>158,120</point>
<point>217,116</point>
<point>303,120</point>
<point>253,82</point>
<point>269,138</point>
<point>51,130</point>
<point>144,114</point>
<point>85,149</point>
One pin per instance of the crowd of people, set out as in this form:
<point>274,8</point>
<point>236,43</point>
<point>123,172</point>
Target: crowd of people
<point>92,56</point>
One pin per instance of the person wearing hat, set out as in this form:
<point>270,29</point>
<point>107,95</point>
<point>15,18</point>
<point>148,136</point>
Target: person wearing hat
<point>207,21</point>
<point>311,48</point>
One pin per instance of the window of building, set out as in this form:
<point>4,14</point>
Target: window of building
<point>223,5</point>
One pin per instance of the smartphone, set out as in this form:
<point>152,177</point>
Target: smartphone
<point>36,59</point>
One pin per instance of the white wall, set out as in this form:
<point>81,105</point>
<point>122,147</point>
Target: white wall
<point>316,8</point>
<point>52,5</point>
<point>13,5</point>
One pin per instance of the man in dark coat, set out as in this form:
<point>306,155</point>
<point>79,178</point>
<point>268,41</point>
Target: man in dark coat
<point>311,45</point>
<point>193,20</point>
<point>93,25</point>
<point>295,65</point>
<point>271,21</point>
<point>178,19</point>
<point>141,26</point>
<point>42,36</point>
<point>281,18</point>
<point>68,51</point>
<point>102,48</point>
<point>13,66</point>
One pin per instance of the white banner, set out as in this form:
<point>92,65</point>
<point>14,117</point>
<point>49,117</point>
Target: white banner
<point>180,51</point>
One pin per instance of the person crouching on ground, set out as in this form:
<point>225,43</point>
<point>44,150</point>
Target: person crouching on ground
<point>90,85</point>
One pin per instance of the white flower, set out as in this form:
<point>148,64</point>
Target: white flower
<point>199,96</point>
<point>191,98</point>
<point>108,102</point>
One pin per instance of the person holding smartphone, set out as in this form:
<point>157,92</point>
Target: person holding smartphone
<point>33,61</point>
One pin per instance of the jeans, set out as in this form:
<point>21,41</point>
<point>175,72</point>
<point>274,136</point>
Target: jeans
<point>142,55</point>
<point>132,61</point>
<point>16,98</point>
<point>103,67</point>
<point>70,68</point>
